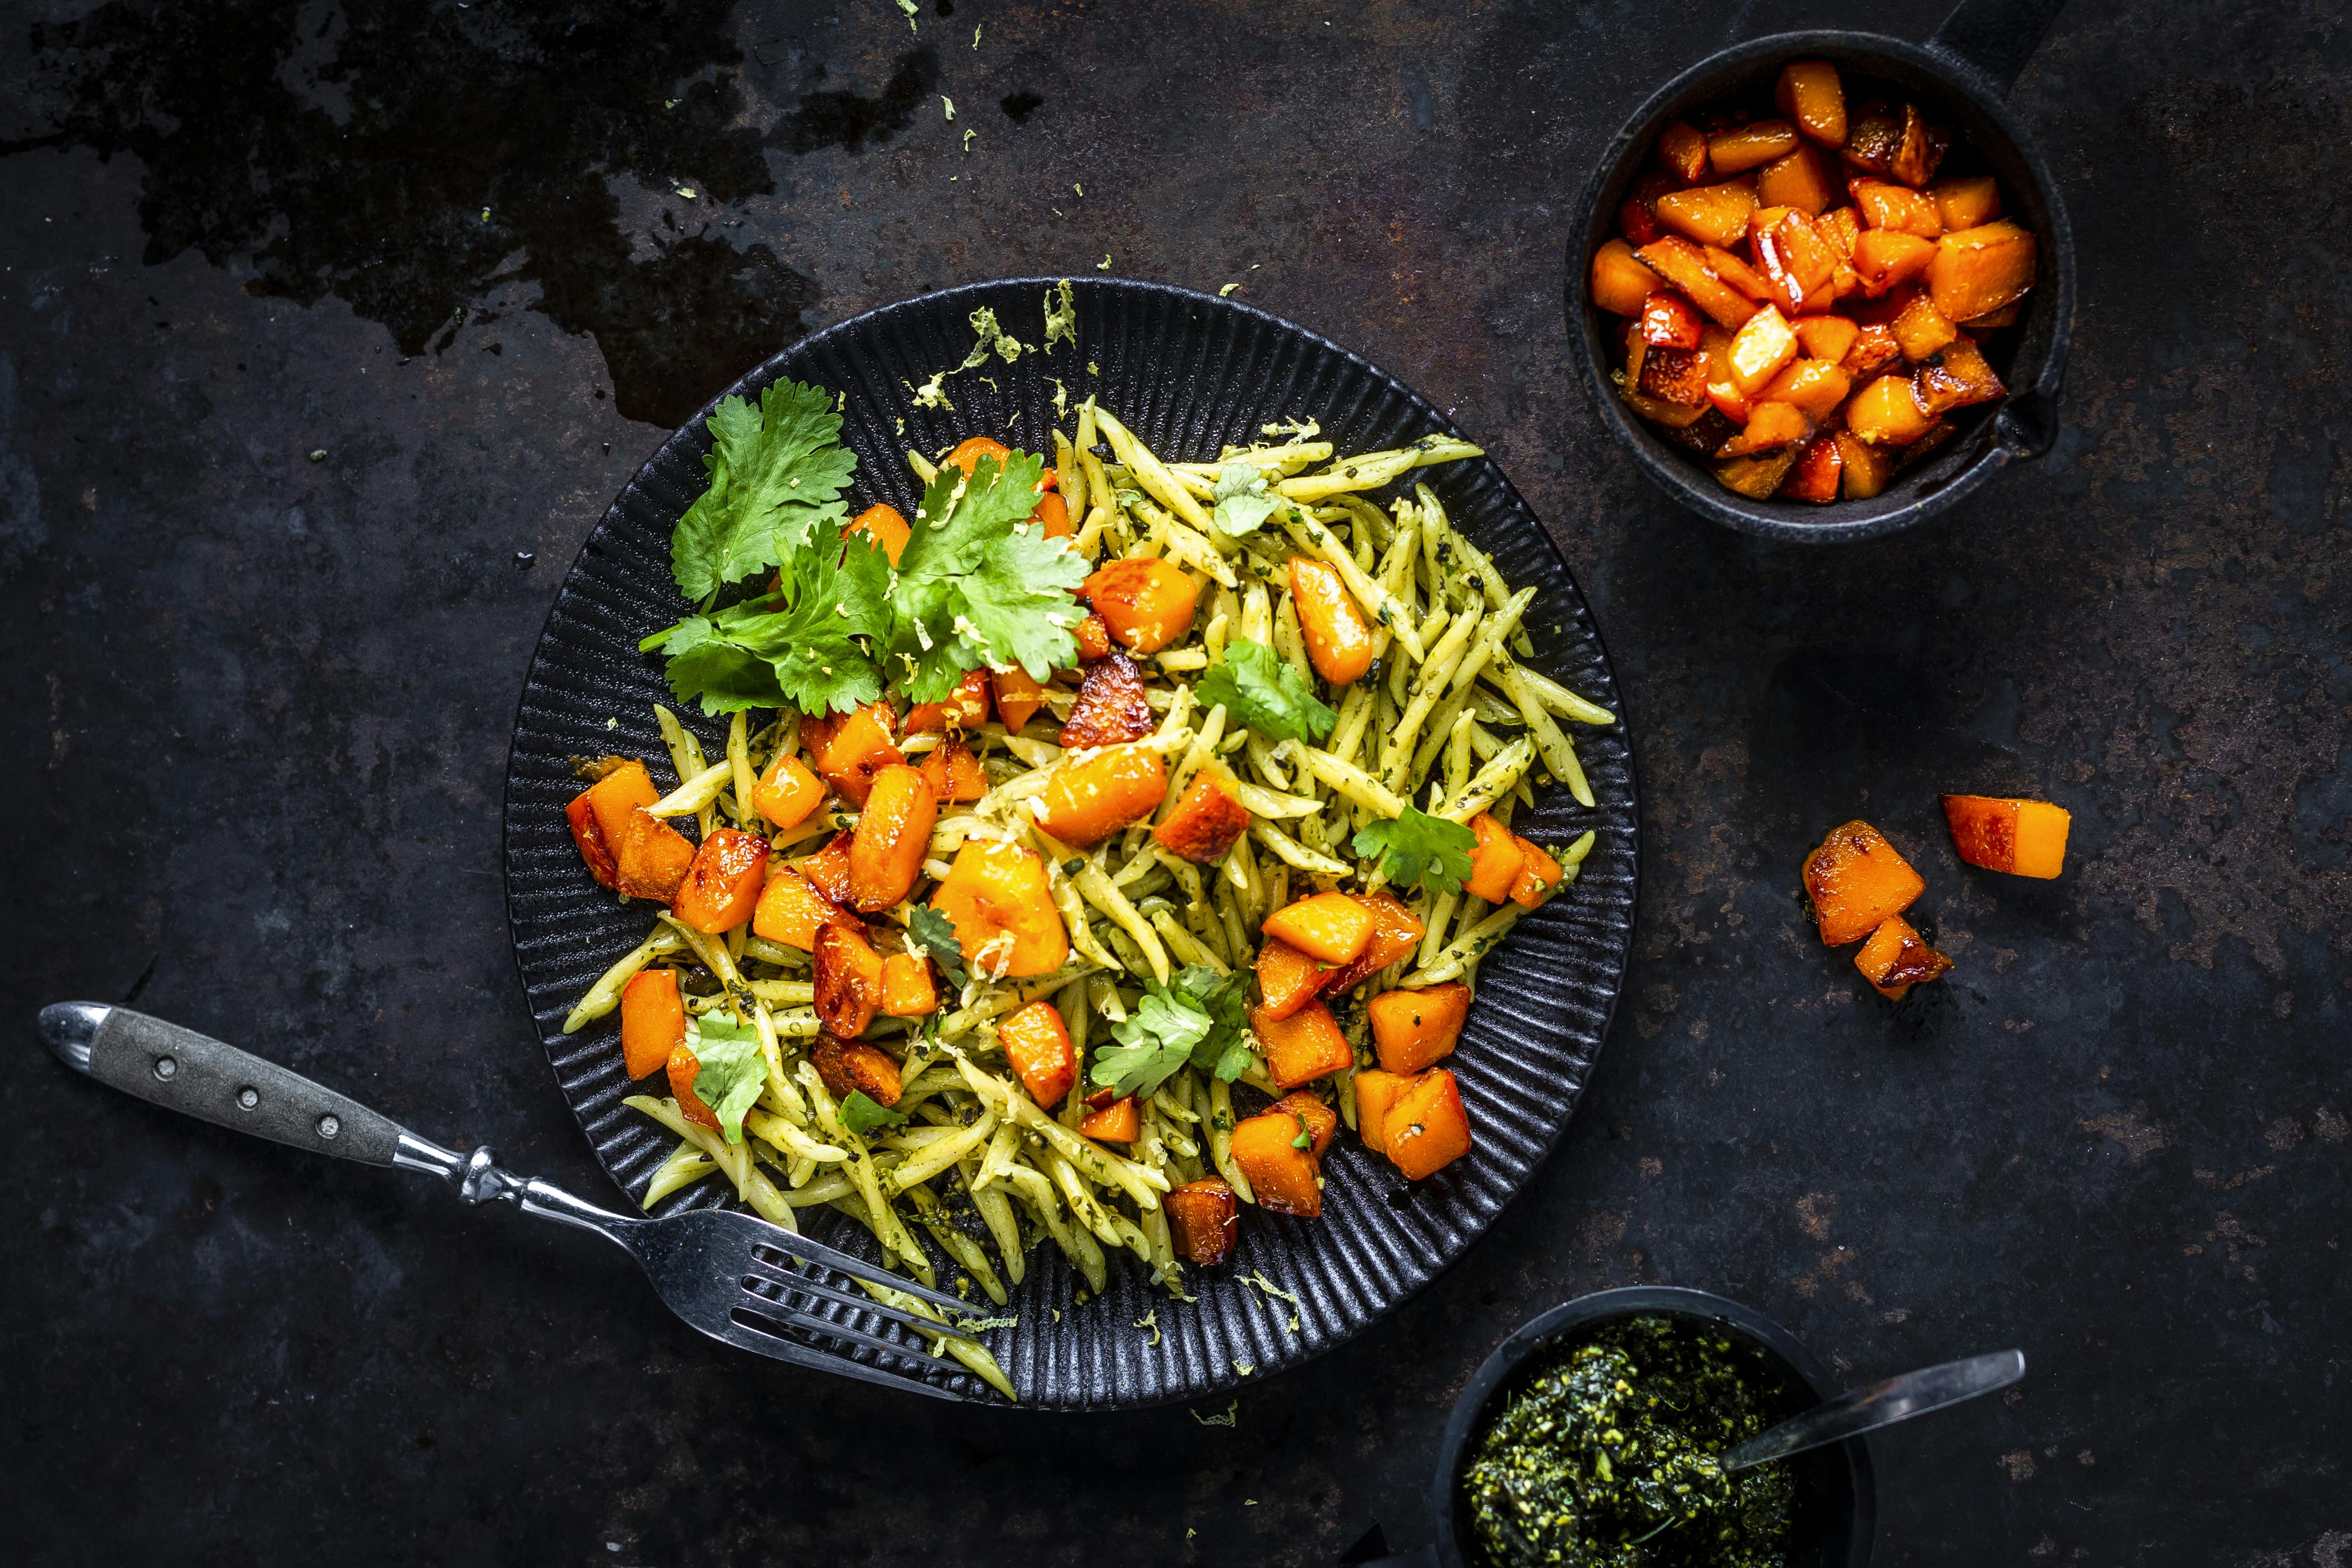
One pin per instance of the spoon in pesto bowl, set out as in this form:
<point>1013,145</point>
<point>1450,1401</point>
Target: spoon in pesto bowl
<point>1879,1404</point>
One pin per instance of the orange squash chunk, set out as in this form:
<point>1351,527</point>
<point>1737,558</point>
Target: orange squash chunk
<point>1919,150</point>
<point>1396,933</point>
<point>1320,1119</point>
<point>1686,267</point>
<point>1619,282</point>
<point>1796,181</point>
<point>1673,376</point>
<point>1815,474</point>
<point>1086,802</point>
<point>1093,638</point>
<point>1111,707</point>
<point>1897,207</point>
<point>1887,413</point>
<point>909,990</point>
<point>1793,258</point>
<point>1722,392</point>
<point>1538,875</point>
<point>1281,1178</point>
<point>1208,818</point>
<point>1856,881</point>
<point>1302,1048</point>
<point>962,711</point>
<point>889,528</point>
<point>612,798</point>
<point>1495,860</point>
<point>1203,1220</point>
<point>1377,1091</point>
<point>1968,203</point>
<point>1871,141</point>
<point>1960,377</point>
<point>1332,927</point>
<point>787,792</point>
<point>1815,387</point>
<point>1410,1029</point>
<point>1896,958</point>
<point>1862,468</point>
<point>722,885</point>
<point>848,978</point>
<point>1771,427</point>
<point>1922,329</point>
<point>1120,1121</point>
<point>850,749</point>
<point>790,909</point>
<point>2023,837</point>
<point>953,773</point>
<point>580,813</point>
<point>651,858</point>
<point>1809,93</point>
<point>652,1021</point>
<point>1739,274</point>
<point>1038,1046</point>
<point>1885,258</point>
<point>1758,474</point>
<point>1682,149</point>
<point>683,1065</point>
<point>1670,321</point>
<point>1002,903</point>
<point>848,1067</point>
<point>886,853</point>
<point>1338,642</point>
<point>1017,697</point>
<point>1051,517</point>
<point>1980,269</point>
<point>1711,214</point>
<point>1146,603</point>
<point>1874,349</point>
<point>1288,979</point>
<point>1739,147</point>
<point>970,450</point>
<point>1427,1130</point>
<point>1760,350</point>
<point>828,869</point>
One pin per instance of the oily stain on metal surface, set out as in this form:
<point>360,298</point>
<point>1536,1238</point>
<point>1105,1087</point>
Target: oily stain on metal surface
<point>412,161</point>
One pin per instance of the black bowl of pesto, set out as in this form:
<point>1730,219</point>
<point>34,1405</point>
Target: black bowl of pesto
<point>1587,1440</point>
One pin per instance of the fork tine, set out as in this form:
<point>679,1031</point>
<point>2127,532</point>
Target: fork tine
<point>792,1279</point>
<point>791,1244</point>
<point>779,1347</point>
<point>807,1322</point>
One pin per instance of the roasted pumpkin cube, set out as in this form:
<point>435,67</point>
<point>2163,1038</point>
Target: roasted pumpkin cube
<point>1919,148</point>
<point>1674,375</point>
<point>652,859</point>
<point>1002,901</point>
<point>886,855</point>
<point>1740,147</point>
<point>1770,427</point>
<point>1086,803</point>
<point>1289,979</point>
<point>886,526</point>
<point>1637,216</point>
<point>1857,879</point>
<point>1037,1048</point>
<point>1427,1130</point>
<point>1809,93</point>
<point>1538,875</point>
<point>722,884</point>
<point>848,1067</point>
<point>1339,639</point>
<point>1203,1220</point>
<point>1710,214</point>
<point>1208,818</point>
<point>1111,708</point>
<point>1411,1030</point>
<point>787,792</point>
<point>847,979</point>
<point>1797,181</point>
<point>1620,281</point>
<point>1673,418</point>
<point>1884,205</point>
<point>1966,202</point>
<point>1315,1118</point>
<point>2021,838</point>
<point>1815,387</point>
<point>1685,266</point>
<point>1840,228</point>
<point>1017,697</point>
<point>683,1065</point>
<point>1758,474</point>
<point>973,449</point>
<point>1760,350</point>
<point>1093,634</point>
<point>1814,477</point>
<point>1396,933</point>
<point>1331,927</point>
<point>1052,516</point>
<point>963,710</point>
<point>1495,860</point>
<point>1959,377</point>
<point>828,869</point>
<point>1887,258</point>
<point>1146,602</point>
<point>1980,269</point>
<point>1668,320</point>
<point>1887,413</point>
<point>1825,337</point>
<point>790,911</point>
<point>652,1021</point>
<point>1874,347</point>
<point>1735,271</point>
<point>1794,258</point>
<point>1302,1048</point>
<point>612,799</point>
<point>953,773</point>
<point>1922,329</point>
<point>1871,141</point>
<point>850,749</point>
<point>1377,1091</point>
<point>1682,150</point>
<point>1281,1177</point>
<point>579,814</point>
<point>909,990</point>
<point>1120,1121</point>
<point>1863,469</point>
<point>1896,958</point>
<point>1722,391</point>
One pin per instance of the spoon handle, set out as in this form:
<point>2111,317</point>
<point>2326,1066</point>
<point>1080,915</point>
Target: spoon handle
<point>1880,1405</point>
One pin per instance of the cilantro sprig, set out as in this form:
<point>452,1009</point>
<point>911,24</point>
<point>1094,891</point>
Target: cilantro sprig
<point>1259,689</point>
<point>774,470</point>
<point>976,585</point>
<point>862,1114</point>
<point>928,930</point>
<point>1200,1020</point>
<point>733,1071</point>
<point>1243,499</point>
<point>1419,848</point>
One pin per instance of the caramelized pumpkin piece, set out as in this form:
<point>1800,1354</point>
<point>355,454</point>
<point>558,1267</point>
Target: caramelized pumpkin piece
<point>1874,349</point>
<point>683,1065</point>
<point>1884,205</point>
<point>1797,181</point>
<point>1620,281</point>
<point>611,800</point>
<point>722,884</point>
<point>1812,386</point>
<point>1919,148</point>
<point>1017,697</point>
<point>1318,1119</point>
<point>1762,349</point>
<point>1052,516</point>
<point>1979,270</point>
<point>1538,875</point>
<point>963,710</point>
<point>1685,266</point>
<point>1339,639</point>
<point>848,1068</point>
<point>2023,837</point>
<point>1002,903</point>
<point>1281,1177</point>
<point>1203,1220</point>
<point>1086,803</point>
<point>1396,933</point>
<point>828,869</point>
<point>1146,603</point>
<point>889,528</point>
<point>1331,927</point>
<point>1871,141</point>
<point>1966,202</point>
<point>1302,1048</point>
<point>1856,881</point>
<point>848,979</point>
<point>1411,1030</point>
<point>1111,707</point>
<point>580,813</point>
<point>1826,337</point>
<point>652,1021</point>
<point>1758,474</point>
<point>1887,258</point>
<point>1887,413</point>
<point>908,988</point>
<point>1093,634</point>
<point>1682,150</point>
<point>1208,819</point>
<point>893,836</point>
<point>953,773</point>
<point>1794,258</point>
<point>1862,468</point>
<point>1743,147</point>
<point>1711,214</point>
<point>1377,1092</point>
<point>850,749</point>
<point>1289,979</point>
<point>1120,1121</point>
<point>1676,377</point>
<point>1427,1130</point>
<point>1770,427</point>
<point>1896,958</point>
<point>1495,859</point>
<point>970,450</point>
<point>1669,321</point>
<point>1960,377</point>
<point>790,910</point>
<point>1815,474</point>
<point>787,792</point>
<point>1809,93</point>
<point>652,859</point>
<point>1922,331</point>
<point>1037,1048</point>
<point>1637,216</point>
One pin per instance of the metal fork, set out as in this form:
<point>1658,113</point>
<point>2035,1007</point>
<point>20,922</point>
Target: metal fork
<point>736,1278</point>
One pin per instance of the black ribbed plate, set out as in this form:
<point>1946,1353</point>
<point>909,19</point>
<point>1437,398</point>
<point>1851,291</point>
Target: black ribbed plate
<point>1186,372</point>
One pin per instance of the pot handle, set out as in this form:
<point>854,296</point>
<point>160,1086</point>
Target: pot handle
<point>1996,37</point>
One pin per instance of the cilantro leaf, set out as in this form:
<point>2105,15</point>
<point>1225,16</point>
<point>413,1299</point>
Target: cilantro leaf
<point>800,647</point>
<point>733,1071</point>
<point>1261,690</point>
<point>1197,1020</point>
<point>977,585</point>
<point>1419,848</point>
<point>1306,1139</point>
<point>928,930</point>
<point>783,464</point>
<point>862,1115</point>
<point>1243,499</point>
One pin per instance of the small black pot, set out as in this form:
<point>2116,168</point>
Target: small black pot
<point>1837,1506</point>
<point>1962,75</point>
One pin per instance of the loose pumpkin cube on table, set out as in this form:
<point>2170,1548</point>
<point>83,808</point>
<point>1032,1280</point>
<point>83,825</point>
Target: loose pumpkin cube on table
<point>1857,880</point>
<point>1896,958</point>
<point>2021,838</point>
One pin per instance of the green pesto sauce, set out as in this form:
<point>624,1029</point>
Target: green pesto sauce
<point>1615,1435</point>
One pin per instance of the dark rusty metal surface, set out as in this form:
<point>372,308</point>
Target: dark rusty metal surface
<point>258,704</point>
